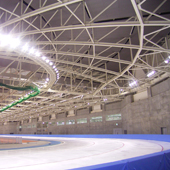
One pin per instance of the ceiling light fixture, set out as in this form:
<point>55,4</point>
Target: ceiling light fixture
<point>15,42</point>
<point>31,51</point>
<point>38,54</point>
<point>47,60</point>
<point>43,57</point>
<point>134,83</point>
<point>166,61</point>
<point>4,40</point>
<point>25,48</point>
<point>151,74</point>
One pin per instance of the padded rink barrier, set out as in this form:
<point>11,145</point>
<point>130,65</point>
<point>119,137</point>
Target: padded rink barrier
<point>10,140</point>
<point>155,161</point>
<point>159,161</point>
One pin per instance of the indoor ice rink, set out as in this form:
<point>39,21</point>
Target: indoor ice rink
<point>84,84</point>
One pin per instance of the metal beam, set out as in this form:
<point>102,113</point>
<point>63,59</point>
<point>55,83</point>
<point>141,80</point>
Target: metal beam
<point>103,44</point>
<point>39,11</point>
<point>97,25</point>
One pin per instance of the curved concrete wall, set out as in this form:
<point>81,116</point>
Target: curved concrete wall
<point>146,116</point>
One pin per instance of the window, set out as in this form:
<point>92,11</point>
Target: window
<point>29,126</point>
<point>60,123</point>
<point>113,117</point>
<point>44,124</point>
<point>96,119</point>
<point>38,125</point>
<point>51,123</point>
<point>70,122</point>
<point>83,120</point>
<point>33,126</point>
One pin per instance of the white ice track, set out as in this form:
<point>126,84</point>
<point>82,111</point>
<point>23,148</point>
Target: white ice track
<point>77,152</point>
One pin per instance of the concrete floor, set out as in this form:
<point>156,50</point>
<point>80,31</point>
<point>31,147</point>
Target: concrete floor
<point>77,152</point>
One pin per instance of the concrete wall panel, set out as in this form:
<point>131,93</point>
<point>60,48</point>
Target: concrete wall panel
<point>145,116</point>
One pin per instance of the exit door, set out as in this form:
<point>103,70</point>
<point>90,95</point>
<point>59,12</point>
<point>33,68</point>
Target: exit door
<point>163,130</point>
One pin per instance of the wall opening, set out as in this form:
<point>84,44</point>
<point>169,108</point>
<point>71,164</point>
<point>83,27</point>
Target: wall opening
<point>163,130</point>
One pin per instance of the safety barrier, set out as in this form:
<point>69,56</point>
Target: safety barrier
<point>155,161</point>
<point>10,140</point>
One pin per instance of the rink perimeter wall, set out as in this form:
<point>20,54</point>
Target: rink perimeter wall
<point>156,161</point>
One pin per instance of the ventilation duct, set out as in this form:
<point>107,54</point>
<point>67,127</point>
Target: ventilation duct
<point>40,118</point>
<point>71,113</point>
<point>140,96</point>
<point>53,116</point>
<point>96,108</point>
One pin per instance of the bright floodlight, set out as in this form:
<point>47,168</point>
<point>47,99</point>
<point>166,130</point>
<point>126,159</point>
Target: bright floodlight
<point>47,60</point>
<point>25,47</point>
<point>4,40</point>
<point>47,79</point>
<point>32,50</point>
<point>133,83</point>
<point>51,63</point>
<point>151,74</point>
<point>14,42</point>
<point>166,61</point>
<point>54,66</point>
<point>37,53</point>
<point>43,57</point>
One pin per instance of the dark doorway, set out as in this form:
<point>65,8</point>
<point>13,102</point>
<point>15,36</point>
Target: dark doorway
<point>125,131</point>
<point>163,130</point>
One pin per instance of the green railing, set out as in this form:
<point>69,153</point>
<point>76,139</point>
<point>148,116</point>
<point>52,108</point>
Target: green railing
<point>34,92</point>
